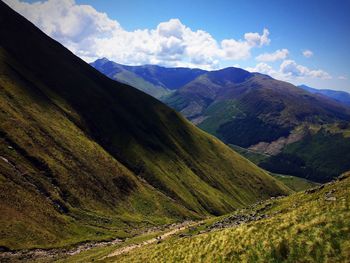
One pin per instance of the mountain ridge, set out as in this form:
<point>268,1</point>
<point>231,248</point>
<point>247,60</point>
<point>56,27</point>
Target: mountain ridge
<point>341,96</point>
<point>155,80</point>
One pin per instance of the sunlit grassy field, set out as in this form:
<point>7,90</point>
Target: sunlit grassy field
<point>304,227</point>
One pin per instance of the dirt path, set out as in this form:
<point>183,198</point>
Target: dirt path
<point>54,254</point>
<point>172,232</point>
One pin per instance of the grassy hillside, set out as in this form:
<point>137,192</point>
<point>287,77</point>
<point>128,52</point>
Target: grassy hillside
<point>311,226</point>
<point>295,183</point>
<point>86,158</point>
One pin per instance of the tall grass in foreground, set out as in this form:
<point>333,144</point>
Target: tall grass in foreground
<point>304,227</point>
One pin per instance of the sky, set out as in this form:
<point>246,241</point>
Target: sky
<point>302,42</point>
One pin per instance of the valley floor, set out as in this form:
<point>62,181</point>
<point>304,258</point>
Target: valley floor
<point>309,226</point>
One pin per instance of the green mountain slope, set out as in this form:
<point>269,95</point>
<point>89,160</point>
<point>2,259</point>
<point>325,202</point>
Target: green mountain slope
<point>84,157</point>
<point>310,226</point>
<point>265,115</point>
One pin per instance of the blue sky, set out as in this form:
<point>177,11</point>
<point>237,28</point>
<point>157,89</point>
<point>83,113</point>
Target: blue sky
<point>321,27</point>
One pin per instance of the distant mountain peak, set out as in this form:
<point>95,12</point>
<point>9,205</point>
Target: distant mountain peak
<point>100,62</point>
<point>340,96</point>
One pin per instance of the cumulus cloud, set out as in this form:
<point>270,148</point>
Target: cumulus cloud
<point>270,57</point>
<point>91,34</point>
<point>289,70</point>
<point>262,68</point>
<point>308,53</point>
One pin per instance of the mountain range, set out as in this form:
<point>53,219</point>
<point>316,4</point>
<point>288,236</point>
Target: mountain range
<point>341,96</point>
<point>154,80</point>
<point>83,157</point>
<point>295,131</point>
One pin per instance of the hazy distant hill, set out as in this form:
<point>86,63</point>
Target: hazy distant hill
<point>341,96</point>
<point>154,80</point>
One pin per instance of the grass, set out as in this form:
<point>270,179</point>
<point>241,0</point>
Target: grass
<point>295,183</point>
<point>300,228</point>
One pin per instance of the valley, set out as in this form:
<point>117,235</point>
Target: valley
<point>303,214</point>
<point>176,155</point>
<point>262,114</point>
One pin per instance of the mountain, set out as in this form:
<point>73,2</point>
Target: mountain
<point>233,104</point>
<point>265,115</point>
<point>83,157</point>
<point>154,80</point>
<point>341,96</point>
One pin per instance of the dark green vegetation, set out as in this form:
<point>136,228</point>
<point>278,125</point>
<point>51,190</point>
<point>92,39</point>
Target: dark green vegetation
<point>318,157</point>
<point>153,80</point>
<point>310,226</point>
<point>293,182</point>
<point>86,158</point>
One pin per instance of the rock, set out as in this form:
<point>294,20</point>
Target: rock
<point>330,198</point>
<point>313,190</point>
<point>330,192</point>
<point>4,159</point>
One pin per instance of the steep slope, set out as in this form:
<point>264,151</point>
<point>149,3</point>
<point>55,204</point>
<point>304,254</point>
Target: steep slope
<point>255,111</point>
<point>154,80</point>
<point>84,157</point>
<point>341,96</point>
<point>311,226</point>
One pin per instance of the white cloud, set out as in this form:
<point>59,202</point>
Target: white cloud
<point>262,68</point>
<point>270,57</point>
<point>91,34</point>
<point>254,39</point>
<point>342,77</point>
<point>289,70</point>
<point>308,53</point>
